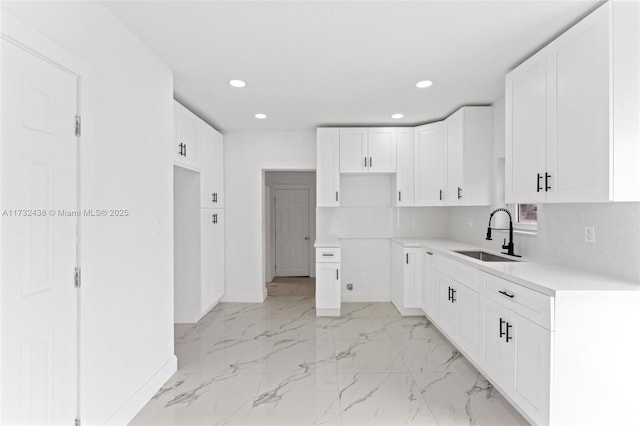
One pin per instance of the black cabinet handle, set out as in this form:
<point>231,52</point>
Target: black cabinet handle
<point>365,161</point>
<point>215,218</point>
<point>181,149</point>
<point>337,275</point>
<point>441,195</point>
<point>429,253</point>
<point>370,162</point>
<point>449,298</point>
<point>407,255</point>
<point>547,176</point>
<point>459,193</point>
<point>508,337</point>
<point>538,187</point>
<point>336,195</point>
<point>502,333</point>
<point>506,294</point>
<point>399,195</point>
<point>185,149</point>
<point>453,296</point>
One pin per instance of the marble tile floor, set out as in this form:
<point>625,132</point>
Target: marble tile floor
<point>292,286</point>
<point>277,364</point>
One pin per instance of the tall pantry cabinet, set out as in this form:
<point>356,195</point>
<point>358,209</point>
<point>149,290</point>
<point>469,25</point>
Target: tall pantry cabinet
<point>198,154</point>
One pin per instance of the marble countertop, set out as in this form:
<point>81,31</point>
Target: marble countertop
<point>327,242</point>
<point>546,278</point>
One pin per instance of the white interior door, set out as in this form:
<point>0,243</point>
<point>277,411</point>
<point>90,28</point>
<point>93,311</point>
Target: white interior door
<point>292,232</point>
<point>39,244</point>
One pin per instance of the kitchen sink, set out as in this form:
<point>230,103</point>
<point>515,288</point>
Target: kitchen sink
<point>485,257</point>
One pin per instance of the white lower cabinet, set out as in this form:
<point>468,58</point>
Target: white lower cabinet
<point>516,356</point>
<point>328,298</point>
<point>406,279</point>
<point>212,258</point>
<point>429,290</point>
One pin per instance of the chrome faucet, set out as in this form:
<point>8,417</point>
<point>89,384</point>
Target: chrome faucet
<point>509,246</point>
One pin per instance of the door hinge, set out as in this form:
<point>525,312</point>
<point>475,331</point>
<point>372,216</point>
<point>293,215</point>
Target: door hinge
<point>77,277</point>
<point>76,422</point>
<point>78,126</point>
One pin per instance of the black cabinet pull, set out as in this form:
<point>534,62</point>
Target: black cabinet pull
<point>506,294</point>
<point>449,298</point>
<point>336,195</point>
<point>538,187</point>
<point>337,275</point>
<point>181,149</point>
<point>215,218</point>
<point>453,296</point>
<point>459,193</point>
<point>502,333</point>
<point>508,337</point>
<point>185,149</point>
<point>547,176</point>
<point>399,195</point>
<point>365,161</point>
<point>407,255</point>
<point>429,253</point>
<point>441,195</point>
<point>370,162</point>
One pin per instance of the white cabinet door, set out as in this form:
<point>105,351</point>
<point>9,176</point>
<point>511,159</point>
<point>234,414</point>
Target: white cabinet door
<point>526,131</point>
<point>382,150</point>
<point>218,254</point>
<point>354,157</point>
<point>455,139</point>
<point>429,290</point>
<point>404,176</point>
<point>469,330</point>
<point>185,148</point>
<point>447,308</point>
<point>412,278</point>
<point>328,167</point>
<point>327,286</point>
<point>499,355</point>
<point>578,147</point>
<point>429,164</point>
<point>206,141</point>
<point>218,169</point>
<point>207,271</point>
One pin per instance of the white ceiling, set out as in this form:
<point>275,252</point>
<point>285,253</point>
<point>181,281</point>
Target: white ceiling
<point>342,63</point>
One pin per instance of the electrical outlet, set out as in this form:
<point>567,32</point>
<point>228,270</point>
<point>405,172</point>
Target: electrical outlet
<point>416,223</point>
<point>590,234</point>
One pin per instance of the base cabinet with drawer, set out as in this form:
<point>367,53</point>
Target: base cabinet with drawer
<point>328,298</point>
<point>406,279</point>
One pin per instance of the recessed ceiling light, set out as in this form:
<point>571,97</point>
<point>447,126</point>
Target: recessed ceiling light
<point>237,83</point>
<point>261,116</point>
<point>397,116</point>
<point>423,84</point>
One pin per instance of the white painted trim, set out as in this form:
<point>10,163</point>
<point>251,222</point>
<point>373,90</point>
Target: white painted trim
<point>328,312</point>
<point>245,297</point>
<point>132,407</point>
<point>366,297</point>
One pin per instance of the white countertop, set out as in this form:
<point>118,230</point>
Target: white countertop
<point>545,278</point>
<point>327,242</point>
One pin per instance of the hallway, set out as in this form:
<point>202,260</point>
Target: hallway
<point>277,364</point>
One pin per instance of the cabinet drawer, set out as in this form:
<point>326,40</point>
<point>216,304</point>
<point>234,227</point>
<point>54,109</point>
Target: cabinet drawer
<point>327,254</point>
<point>532,305</point>
<point>460,272</point>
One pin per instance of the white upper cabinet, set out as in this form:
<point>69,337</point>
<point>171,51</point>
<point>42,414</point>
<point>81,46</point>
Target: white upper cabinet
<point>370,150</point>
<point>328,167</point>
<point>353,150</point>
<point>185,147</point>
<point>382,150</point>
<point>469,133</point>
<point>211,156</point>
<point>218,169</point>
<point>403,195</point>
<point>572,114</point>
<point>429,145</point>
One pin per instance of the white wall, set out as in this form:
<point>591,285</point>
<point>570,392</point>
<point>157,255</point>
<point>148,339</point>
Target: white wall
<point>273,179</point>
<point>127,263</point>
<point>247,155</point>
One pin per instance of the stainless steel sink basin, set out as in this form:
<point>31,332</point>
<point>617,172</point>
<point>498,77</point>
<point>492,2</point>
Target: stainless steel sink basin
<point>485,257</point>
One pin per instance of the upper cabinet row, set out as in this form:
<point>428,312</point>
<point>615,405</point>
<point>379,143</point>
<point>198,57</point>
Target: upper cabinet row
<point>199,147</point>
<point>573,114</point>
<point>443,163</point>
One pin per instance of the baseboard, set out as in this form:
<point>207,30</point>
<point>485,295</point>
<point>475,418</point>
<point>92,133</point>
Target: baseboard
<point>366,297</point>
<point>206,311</point>
<point>328,312</point>
<point>409,312</point>
<point>244,298</point>
<point>128,411</point>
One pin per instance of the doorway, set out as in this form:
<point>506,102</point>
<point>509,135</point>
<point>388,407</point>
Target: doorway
<point>40,231</point>
<point>290,233</point>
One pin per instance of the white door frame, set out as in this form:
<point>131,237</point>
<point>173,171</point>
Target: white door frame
<point>272,227</point>
<point>15,31</point>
